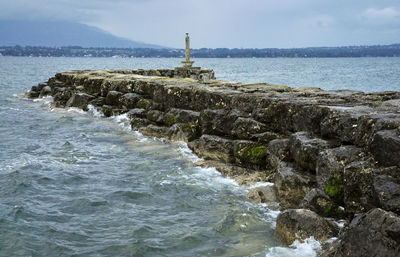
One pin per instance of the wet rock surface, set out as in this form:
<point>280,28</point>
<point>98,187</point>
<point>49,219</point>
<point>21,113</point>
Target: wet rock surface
<point>330,154</point>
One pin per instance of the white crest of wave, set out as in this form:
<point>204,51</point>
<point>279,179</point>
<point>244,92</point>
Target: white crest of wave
<point>309,248</point>
<point>94,112</point>
<point>77,110</point>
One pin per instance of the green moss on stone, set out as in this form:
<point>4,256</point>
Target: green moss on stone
<point>170,119</point>
<point>143,103</point>
<point>334,188</point>
<point>253,154</point>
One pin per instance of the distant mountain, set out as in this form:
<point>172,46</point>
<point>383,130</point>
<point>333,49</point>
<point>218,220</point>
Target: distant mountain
<point>61,33</point>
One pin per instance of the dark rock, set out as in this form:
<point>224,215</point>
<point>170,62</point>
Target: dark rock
<point>357,190</point>
<point>304,150</point>
<point>292,186</point>
<point>265,137</point>
<point>45,91</point>
<point>329,169</point>
<point>243,128</point>
<point>99,101</point>
<point>181,116</point>
<point>300,224</point>
<point>137,123</point>
<point>317,201</point>
<point>80,100</point>
<point>155,116</point>
<point>154,131</point>
<point>112,98</point>
<point>375,233</point>
<point>277,151</point>
<point>262,194</point>
<point>213,147</point>
<point>387,190</point>
<point>218,122</point>
<point>32,94</point>
<point>144,104</point>
<point>107,110</point>
<point>129,100</point>
<point>386,148</point>
<point>249,153</point>
<point>137,113</point>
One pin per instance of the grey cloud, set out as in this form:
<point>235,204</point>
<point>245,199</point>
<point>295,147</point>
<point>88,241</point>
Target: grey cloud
<point>227,23</point>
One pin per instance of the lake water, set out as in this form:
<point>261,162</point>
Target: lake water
<point>73,183</point>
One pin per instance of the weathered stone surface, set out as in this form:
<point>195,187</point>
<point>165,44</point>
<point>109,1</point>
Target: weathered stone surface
<point>304,150</point>
<point>357,190</point>
<point>243,128</point>
<point>386,148</point>
<point>376,233</point>
<point>45,91</point>
<point>277,151</point>
<point>80,100</point>
<point>99,101</point>
<point>317,201</point>
<point>137,113</point>
<point>330,167</point>
<point>213,147</point>
<point>300,224</point>
<point>387,190</point>
<point>155,116</point>
<point>249,153</point>
<point>137,123</point>
<point>154,131</point>
<point>292,186</point>
<point>112,98</point>
<point>262,194</point>
<point>129,100</point>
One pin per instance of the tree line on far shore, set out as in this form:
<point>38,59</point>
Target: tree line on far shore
<point>310,52</point>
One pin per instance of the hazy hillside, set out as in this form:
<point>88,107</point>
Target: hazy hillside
<point>60,33</point>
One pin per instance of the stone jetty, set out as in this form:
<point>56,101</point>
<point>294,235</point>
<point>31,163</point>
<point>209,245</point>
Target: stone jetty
<point>333,156</point>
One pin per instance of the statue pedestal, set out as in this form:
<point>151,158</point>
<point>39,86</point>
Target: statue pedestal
<point>187,64</point>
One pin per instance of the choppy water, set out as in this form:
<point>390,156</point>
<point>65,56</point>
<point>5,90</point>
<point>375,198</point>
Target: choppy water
<point>77,184</point>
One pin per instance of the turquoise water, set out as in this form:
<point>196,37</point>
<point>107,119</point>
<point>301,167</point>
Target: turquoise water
<point>74,183</point>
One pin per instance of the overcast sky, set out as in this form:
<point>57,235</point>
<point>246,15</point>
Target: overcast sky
<point>227,23</point>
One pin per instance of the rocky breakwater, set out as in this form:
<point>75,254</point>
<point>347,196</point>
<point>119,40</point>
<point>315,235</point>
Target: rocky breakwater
<point>331,155</point>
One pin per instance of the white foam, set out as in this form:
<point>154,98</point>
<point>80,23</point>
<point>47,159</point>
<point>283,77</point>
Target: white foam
<point>309,248</point>
<point>261,184</point>
<point>94,112</point>
<point>185,151</point>
<point>77,110</point>
<point>123,121</point>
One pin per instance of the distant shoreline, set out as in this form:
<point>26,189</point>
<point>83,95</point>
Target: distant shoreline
<point>310,52</point>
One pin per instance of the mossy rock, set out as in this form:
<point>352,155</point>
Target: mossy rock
<point>143,104</point>
<point>170,119</point>
<point>334,188</point>
<point>252,154</point>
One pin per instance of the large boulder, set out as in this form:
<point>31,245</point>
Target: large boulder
<point>317,201</point>
<point>357,187</point>
<point>249,153</point>
<point>291,185</point>
<point>112,98</point>
<point>304,150</point>
<point>386,147</point>
<point>244,128</point>
<point>79,100</point>
<point>213,148</point>
<point>129,100</point>
<point>387,190</point>
<point>375,233</point>
<point>330,167</point>
<point>300,224</point>
<point>277,151</point>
